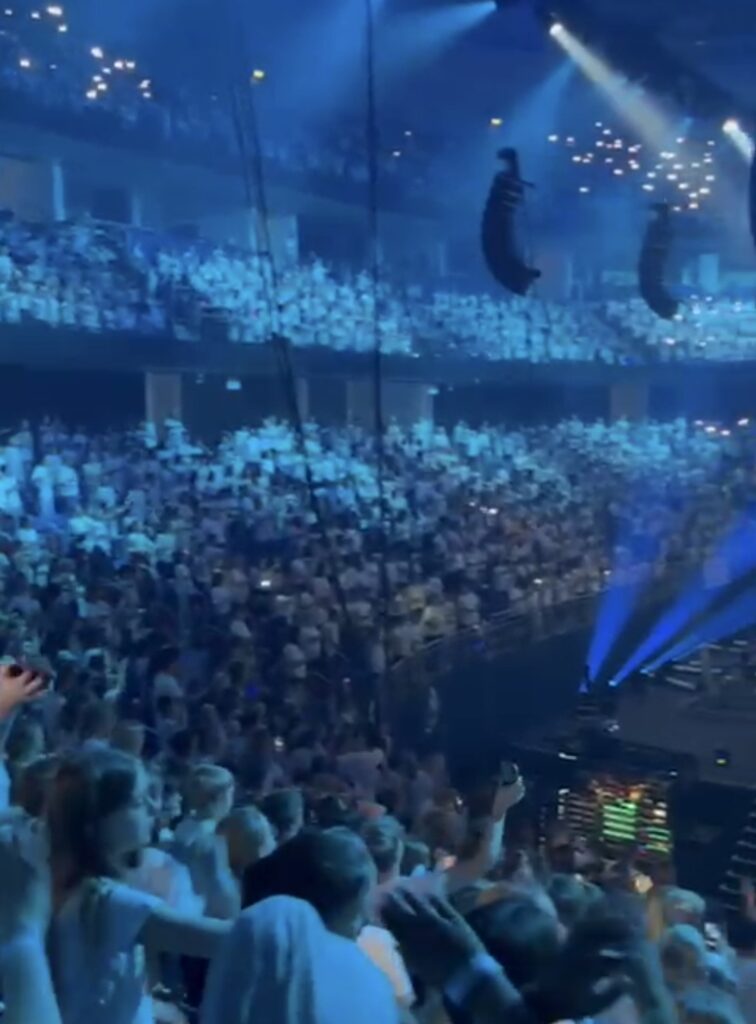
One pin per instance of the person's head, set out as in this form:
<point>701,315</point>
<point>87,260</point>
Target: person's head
<point>249,837</point>
<point>165,661</point>
<point>443,831</point>
<point>210,792</point>
<point>523,936</point>
<point>281,964</point>
<point>128,736</point>
<point>26,742</point>
<point>682,906</point>
<point>99,815</point>
<point>572,897</point>
<point>284,809</point>
<point>330,869</point>
<point>683,957</point>
<point>96,721</point>
<point>416,857</point>
<point>384,839</point>
<point>33,785</point>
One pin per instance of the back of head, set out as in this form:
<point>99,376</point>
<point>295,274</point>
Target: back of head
<point>279,963</point>
<point>572,897</point>
<point>26,741</point>
<point>249,837</point>
<point>209,791</point>
<point>384,839</point>
<point>34,784</point>
<point>416,857</point>
<point>683,906</point>
<point>128,736</point>
<point>522,936</point>
<point>284,809</point>
<point>96,720</point>
<point>330,869</point>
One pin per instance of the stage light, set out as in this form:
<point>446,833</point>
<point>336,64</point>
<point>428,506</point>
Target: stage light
<point>645,116</point>
<point>24,62</point>
<point>55,12</point>
<point>496,122</point>
<point>258,75</point>
<point>97,52</point>
<point>740,139</point>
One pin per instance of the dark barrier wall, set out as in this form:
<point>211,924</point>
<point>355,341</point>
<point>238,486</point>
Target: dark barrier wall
<point>492,696</point>
<point>94,399</point>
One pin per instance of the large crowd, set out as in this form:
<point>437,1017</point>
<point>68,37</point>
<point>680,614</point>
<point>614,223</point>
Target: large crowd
<point>193,639</point>
<point>206,814</point>
<point>102,278</point>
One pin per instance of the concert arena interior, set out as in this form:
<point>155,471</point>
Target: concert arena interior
<point>378,512</point>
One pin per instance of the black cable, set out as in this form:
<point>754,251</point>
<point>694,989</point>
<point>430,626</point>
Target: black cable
<point>247,132</point>
<point>373,140</point>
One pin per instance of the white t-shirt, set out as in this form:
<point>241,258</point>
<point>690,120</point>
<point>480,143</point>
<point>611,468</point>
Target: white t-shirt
<point>380,946</point>
<point>99,965</point>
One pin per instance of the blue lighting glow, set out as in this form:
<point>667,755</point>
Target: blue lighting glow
<point>732,619</point>
<point>734,559</point>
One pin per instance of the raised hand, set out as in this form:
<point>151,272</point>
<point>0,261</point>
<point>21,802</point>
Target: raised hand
<point>435,941</point>
<point>17,688</point>
<point>25,888</point>
<point>507,797</point>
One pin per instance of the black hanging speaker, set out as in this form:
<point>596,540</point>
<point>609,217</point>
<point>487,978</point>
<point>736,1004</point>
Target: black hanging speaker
<point>500,247</point>
<point>652,267</point>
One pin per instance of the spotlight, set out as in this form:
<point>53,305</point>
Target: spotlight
<point>731,126</point>
<point>557,30</point>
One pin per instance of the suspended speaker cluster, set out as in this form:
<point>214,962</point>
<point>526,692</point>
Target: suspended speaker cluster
<point>500,246</point>
<point>653,264</point>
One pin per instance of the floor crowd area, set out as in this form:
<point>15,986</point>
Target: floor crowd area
<point>193,772</point>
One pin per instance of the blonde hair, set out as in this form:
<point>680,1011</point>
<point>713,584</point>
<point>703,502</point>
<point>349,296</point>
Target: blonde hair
<point>249,836</point>
<point>206,785</point>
